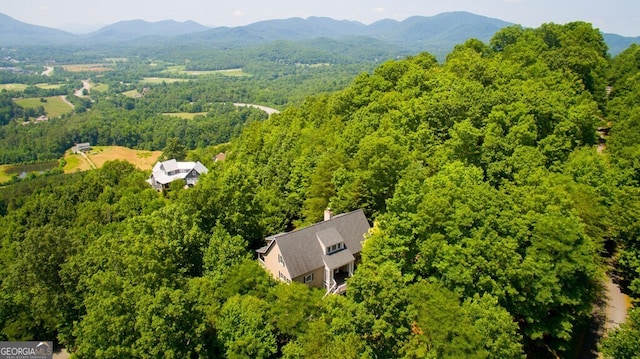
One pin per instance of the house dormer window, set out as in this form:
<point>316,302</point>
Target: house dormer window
<point>336,247</point>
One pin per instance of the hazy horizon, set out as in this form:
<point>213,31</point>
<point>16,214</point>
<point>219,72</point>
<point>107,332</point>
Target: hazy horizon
<point>615,16</point>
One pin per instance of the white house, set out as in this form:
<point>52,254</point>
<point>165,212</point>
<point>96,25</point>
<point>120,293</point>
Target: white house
<point>164,173</point>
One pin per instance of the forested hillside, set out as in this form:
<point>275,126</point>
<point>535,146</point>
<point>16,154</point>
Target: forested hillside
<point>496,214</point>
<point>111,117</point>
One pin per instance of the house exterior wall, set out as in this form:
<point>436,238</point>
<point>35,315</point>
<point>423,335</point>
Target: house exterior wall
<point>272,265</point>
<point>318,278</point>
<point>192,177</point>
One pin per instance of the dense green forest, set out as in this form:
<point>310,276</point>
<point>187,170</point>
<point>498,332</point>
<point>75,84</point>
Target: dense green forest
<point>497,211</point>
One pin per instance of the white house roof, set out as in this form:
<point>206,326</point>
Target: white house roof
<point>162,171</point>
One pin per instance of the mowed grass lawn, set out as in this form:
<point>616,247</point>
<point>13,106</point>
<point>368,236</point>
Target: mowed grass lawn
<point>144,160</point>
<point>54,107</point>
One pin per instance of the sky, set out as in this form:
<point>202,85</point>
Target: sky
<point>611,16</point>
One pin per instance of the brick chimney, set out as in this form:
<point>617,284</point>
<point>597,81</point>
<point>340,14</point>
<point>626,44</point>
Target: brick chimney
<point>328,214</point>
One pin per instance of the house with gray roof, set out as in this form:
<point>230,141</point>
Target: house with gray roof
<point>165,172</point>
<point>322,255</point>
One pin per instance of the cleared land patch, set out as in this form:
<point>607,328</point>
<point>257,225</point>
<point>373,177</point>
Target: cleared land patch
<point>49,86</point>
<point>131,93</point>
<point>180,70</point>
<point>87,68</point>
<point>21,87</point>
<point>13,87</point>
<point>159,80</point>
<point>185,115</point>
<point>144,160</point>
<point>8,171</point>
<point>54,106</point>
<point>175,69</point>
<point>100,88</point>
<point>231,72</point>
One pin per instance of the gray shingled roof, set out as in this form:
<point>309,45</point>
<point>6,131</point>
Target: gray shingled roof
<point>329,237</point>
<point>337,259</point>
<point>302,251</point>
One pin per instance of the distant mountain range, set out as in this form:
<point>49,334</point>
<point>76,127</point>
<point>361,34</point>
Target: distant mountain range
<point>436,33</point>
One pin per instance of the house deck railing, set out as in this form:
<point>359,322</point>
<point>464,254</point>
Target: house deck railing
<point>335,287</point>
<point>330,287</point>
<point>340,288</point>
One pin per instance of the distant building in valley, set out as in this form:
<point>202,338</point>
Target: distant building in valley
<point>81,147</point>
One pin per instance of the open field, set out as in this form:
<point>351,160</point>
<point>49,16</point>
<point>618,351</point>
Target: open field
<point>13,87</point>
<point>185,115</point>
<point>7,171</point>
<point>54,107</point>
<point>21,87</point>
<point>100,88</point>
<point>131,93</point>
<point>49,86</point>
<point>159,80</point>
<point>4,176</point>
<point>229,72</point>
<point>180,69</point>
<point>87,68</point>
<point>144,160</point>
<point>175,69</point>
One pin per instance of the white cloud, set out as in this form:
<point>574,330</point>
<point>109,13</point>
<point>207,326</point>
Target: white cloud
<point>379,10</point>
<point>43,8</point>
<point>238,13</point>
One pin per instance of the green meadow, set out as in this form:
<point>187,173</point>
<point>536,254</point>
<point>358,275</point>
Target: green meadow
<point>54,106</point>
<point>13,87</point>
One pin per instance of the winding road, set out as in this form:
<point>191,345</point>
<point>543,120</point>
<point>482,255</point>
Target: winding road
<point>64,98</point>
<point>85,85</point>
<point>607,315</point>
<point>616,309</point>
